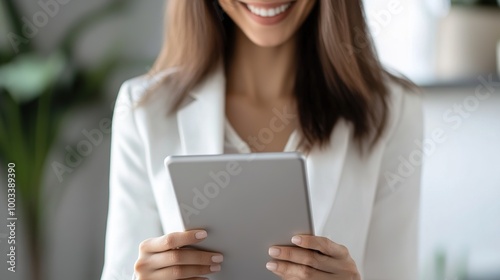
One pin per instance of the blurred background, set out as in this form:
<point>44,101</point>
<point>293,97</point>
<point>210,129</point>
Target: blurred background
<point>61,65</point>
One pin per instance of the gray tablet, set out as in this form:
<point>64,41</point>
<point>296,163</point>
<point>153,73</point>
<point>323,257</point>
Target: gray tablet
<point>246,202</point>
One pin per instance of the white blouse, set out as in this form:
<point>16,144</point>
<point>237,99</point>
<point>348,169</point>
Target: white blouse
<point>233,144</point>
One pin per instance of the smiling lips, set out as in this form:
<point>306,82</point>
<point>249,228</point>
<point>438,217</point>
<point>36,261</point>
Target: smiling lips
<point>268,14</point>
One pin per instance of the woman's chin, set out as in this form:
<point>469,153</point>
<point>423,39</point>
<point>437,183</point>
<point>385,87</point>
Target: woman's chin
<point>268,41</point>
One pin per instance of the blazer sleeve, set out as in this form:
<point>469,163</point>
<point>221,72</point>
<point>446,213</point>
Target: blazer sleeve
<point>132,214</point>
<point>392,242</point>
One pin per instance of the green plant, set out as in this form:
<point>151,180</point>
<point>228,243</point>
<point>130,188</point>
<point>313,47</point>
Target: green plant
<point>36,91</point>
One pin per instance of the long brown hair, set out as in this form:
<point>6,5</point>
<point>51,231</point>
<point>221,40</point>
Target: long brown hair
<point>339,74</point>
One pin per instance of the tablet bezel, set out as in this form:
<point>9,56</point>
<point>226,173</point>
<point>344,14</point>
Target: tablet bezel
<point>254,158</point>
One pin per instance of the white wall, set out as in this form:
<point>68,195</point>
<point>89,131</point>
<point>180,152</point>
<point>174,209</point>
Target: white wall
<point>461,181</point>
<point>404,34</point>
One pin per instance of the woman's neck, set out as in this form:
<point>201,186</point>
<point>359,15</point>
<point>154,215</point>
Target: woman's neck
<point>259,73</point>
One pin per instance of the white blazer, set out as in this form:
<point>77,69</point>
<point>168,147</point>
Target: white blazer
<point>369,203</point>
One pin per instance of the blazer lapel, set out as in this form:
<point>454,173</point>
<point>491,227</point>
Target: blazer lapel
<point>324,168</point>
<point>201,121</point>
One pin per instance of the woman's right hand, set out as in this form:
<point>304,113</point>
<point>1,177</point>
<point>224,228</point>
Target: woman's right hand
<point>164,258</point>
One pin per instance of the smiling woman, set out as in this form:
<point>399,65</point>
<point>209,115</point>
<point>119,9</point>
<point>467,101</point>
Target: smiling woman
<point>225,80</point>
<point>331,49</point>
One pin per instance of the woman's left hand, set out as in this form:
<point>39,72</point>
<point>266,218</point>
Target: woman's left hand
<point>315,258</point>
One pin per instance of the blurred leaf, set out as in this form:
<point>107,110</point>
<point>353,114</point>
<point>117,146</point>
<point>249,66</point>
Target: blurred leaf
<point>35,94</point>
<point>3,130</point>
<point>15,16</point>
<point>14,139</point>
<point>98,76</point>
<point>29,75</point>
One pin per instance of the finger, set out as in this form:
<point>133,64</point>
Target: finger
<point>184,257</point>
<point>288,270</point>
<point>184,271</point>
<point>172,241</point>
<point>321,244</point>
<point>307,257</point>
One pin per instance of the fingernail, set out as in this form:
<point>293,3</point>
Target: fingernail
<point>201,234</point>
<point>271,266</point>
<point>274,252</point>
<point>214,268</point>
<point>296,240</point>
<point>217,258</point>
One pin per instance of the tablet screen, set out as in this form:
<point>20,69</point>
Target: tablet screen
<point>246,202</point>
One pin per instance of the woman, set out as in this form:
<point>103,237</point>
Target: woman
<point>268,76</point>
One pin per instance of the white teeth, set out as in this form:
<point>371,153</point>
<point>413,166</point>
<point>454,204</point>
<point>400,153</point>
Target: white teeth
<point>268,12</point>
